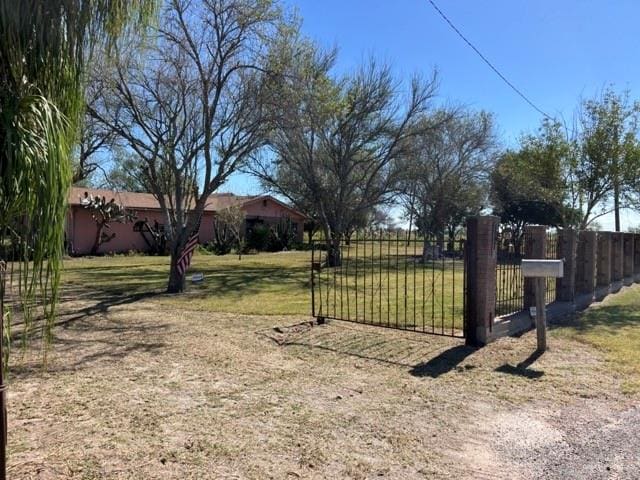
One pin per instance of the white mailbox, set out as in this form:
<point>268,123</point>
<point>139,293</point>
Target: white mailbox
<point>542,268</point>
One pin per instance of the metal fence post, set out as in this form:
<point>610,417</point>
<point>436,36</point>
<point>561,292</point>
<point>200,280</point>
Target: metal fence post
<point>481,257</point>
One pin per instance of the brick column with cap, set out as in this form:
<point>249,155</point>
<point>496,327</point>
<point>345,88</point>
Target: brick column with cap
<point>627,253</point>
<point>567,251</point>
<point>535,238</point>
<point>481,250</point>
<point>603,278</point>
<point>586,260</point>
<point>636,257</point>
<point>617,261</point>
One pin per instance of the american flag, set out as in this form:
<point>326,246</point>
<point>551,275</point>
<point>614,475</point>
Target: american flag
<point>185,258</point>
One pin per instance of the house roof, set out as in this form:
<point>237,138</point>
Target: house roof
<point>146,201</point>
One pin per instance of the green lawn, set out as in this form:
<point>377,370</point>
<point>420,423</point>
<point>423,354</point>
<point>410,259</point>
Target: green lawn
<point>380,283</point>
<point>268,283</point>
<point>373,285</point>
<point>614,328</point>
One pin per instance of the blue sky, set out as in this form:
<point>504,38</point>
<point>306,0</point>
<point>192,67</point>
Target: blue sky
<point>553,50</point>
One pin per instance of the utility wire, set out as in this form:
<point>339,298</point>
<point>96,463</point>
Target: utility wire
<point>504,79</point>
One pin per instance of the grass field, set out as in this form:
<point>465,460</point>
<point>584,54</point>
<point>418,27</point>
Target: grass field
<point>380,288</point>
<point>614,328</point>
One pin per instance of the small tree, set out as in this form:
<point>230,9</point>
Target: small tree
<point>104,213</point>
<point>229,230</point>
<point>281,235</point>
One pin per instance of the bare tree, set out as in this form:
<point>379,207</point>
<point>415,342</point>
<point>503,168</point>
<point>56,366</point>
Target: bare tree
<point>95,139</point>
<point>337,140</point>
<point>189,103</point>
<point>445,175</point>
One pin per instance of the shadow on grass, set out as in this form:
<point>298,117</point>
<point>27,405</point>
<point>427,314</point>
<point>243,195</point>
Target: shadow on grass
<point>240,280</point>
<point>522,369</point>
<point>385,347</point>
<point>443,363</point>
<point>93,338</point>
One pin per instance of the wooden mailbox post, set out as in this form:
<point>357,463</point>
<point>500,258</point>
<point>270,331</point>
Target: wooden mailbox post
<point>541,270</point>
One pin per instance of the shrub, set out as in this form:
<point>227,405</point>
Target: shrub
<point>281,236</point>
<point>258,238</point>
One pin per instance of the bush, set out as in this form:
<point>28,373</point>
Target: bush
<point>281,236</point>
<point>258,238</point>
<point>218,248</point>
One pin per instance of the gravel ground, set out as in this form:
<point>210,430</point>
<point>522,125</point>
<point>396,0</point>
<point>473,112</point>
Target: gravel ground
<point>587,440</point>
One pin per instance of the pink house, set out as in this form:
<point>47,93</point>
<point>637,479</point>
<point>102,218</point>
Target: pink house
<point>81,229</point>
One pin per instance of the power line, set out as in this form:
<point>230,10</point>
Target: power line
<point>504,79</point>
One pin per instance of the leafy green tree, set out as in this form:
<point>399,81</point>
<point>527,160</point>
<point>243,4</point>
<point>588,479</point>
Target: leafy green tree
<point>606,168</point>
<point>125,173</point>
<point>44,49</point>
<point>531,185</point>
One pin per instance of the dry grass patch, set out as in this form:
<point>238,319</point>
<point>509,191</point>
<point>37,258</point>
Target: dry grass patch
<point>145,390</point>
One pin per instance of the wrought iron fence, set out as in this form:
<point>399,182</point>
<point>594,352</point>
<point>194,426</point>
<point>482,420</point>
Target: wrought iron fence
<point>509,280</point>
<point>393,280</point>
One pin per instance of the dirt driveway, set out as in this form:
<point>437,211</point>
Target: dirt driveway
<point>139,391</point>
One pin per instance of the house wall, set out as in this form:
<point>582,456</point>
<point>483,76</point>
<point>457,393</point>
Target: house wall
<point>271,213</point>
<point>82,229</point>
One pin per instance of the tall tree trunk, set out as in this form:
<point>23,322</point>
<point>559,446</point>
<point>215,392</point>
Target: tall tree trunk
<point>426,247</point>
<point>334,256</point>
<point>616,204</point>
<point>176,280</point>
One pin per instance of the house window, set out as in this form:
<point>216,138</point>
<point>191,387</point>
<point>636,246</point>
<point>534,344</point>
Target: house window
<point>264,203</point>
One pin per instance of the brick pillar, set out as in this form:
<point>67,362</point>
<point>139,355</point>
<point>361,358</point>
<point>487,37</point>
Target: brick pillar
<point>482,254</point>
<point>636,257</point>
<point>535,238</point>
<point>567,250</point>
<point>586,260</point>
<point>603,278</point>
<point>617,261</point>
<point>627,261</point>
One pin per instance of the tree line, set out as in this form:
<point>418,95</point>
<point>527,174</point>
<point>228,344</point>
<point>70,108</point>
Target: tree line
<point>217,87</point>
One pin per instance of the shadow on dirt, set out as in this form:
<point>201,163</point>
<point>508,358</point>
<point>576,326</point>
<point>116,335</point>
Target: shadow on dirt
<point>522,369</point>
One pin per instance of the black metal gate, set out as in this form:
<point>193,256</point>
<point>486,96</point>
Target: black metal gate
<point>393,280</point>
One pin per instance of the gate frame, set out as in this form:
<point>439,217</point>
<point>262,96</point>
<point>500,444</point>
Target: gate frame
<point>460,329</point>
